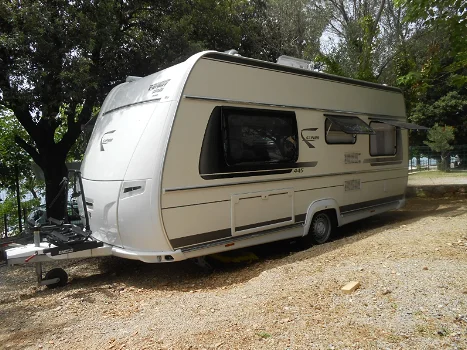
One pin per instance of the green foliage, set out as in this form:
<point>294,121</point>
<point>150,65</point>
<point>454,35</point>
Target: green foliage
<point>8,207</point>
<point>361,38</point>
<point>450,108</point>
<point>264,335</point>
<point>12,155</point>
<point>447,15</point>
<point>433,69</point>
<point>292,28</point>
<point>439,138</point>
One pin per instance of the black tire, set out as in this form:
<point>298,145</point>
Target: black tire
<point>57,273</point>
<point>320,231</point>
<point>320,228</point>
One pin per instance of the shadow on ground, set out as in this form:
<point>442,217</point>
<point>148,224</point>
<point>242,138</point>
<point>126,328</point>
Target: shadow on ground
<point>91,276</point>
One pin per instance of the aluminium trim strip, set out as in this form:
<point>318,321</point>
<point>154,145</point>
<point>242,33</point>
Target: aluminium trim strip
<point>238,238</point>
<point>297,165</point>
<point>264,104</point>
<point>186,188</point>
<point>389,178</point>
<point>369,204</point>
<point>366,208</point>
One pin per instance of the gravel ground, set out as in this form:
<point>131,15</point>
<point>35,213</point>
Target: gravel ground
<point>411,264</point>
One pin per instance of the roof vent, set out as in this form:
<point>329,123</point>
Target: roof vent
<point>295,62</point>
<point>232,52</point>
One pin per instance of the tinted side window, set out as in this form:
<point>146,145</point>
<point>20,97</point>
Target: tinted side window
<point>384,141</point>
<point>241,142</point>
<point>259,137</point>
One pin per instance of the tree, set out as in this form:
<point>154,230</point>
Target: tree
<point>449,109</point>
<point>439,138</point>
<point>361,37</point>
<point>433,70</point>
<point>450,17</point>
<point>290,28</point>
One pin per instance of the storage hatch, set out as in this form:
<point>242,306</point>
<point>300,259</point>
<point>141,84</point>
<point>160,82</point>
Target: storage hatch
<point>260,211</point>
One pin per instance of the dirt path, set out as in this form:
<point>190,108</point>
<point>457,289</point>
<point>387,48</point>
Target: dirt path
<point>411,264</point>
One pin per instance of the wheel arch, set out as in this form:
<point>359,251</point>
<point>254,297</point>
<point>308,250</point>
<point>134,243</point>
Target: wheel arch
<point>325,204</point>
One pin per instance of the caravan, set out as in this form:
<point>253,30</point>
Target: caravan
<point>222,152</point>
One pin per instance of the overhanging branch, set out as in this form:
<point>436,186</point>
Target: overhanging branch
<point>30,149</point>
<point>23,115</point>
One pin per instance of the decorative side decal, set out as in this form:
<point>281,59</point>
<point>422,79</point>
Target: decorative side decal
<point>308,135</point>
<point>352,185</point>
<point>352,158</point>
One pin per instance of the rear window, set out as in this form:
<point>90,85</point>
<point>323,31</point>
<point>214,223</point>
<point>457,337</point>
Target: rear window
<point>384,141</point>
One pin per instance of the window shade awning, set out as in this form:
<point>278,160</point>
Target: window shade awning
<point>350,125</point>
<point>402,125</point>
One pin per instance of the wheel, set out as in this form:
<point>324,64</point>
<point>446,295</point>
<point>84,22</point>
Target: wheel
<point>320,228</point>
<point>57,273</point>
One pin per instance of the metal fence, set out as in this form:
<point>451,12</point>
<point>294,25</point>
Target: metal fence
<point>424,158</point>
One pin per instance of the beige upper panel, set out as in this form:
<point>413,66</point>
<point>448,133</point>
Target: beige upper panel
<point>216,79</point>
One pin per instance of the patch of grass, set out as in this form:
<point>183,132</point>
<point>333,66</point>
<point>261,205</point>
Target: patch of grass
<point>418,313</point>
<point>437,173</point>
<point>264,335</point>
<point>421,328</point>
<point>392,338</point>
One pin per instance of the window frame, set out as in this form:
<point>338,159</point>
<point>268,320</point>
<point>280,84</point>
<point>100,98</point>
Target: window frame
<point>354,136</point>
<point>212,163</point>
<point>226,112</point>
<point>375,135</point>
<point>336,118</point>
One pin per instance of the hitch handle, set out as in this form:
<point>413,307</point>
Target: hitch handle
<point>32,256</point>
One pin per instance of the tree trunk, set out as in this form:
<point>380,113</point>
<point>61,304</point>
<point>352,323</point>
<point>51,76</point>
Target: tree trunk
<point>55,170</point>
<point>18,199</point>
<point>418,161</point>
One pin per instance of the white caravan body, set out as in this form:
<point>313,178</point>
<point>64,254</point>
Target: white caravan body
<point>222,152</point>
